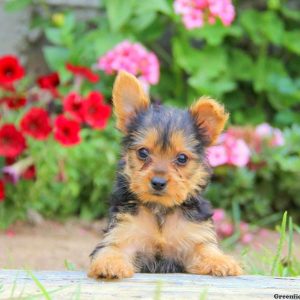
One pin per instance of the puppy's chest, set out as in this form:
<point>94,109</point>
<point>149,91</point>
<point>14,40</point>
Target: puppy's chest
<point>167,228</point>
<point>159,213</point>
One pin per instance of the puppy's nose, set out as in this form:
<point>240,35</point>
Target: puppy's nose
<point>158,183</point>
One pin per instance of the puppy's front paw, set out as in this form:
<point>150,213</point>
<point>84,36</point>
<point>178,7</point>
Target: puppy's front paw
<point>110,267</point>
<point>221,265</point>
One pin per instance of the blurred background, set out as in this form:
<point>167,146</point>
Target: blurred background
<point>58,145</point>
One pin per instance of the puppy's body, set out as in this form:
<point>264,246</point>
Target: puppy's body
<point>159,221</point>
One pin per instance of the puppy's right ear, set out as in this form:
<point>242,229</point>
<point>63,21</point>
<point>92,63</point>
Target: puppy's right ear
<point>129,99</point>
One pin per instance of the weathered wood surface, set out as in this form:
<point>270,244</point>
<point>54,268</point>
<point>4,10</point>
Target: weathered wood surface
<point>75,285</point>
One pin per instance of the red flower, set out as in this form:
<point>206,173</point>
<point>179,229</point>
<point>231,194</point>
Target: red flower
<point>30,173</point>
<point>36,123</point>
<point>15,102</point>
<point>49,82</point>
<point>12,142</point>
<point>2,191</point>
<point>10,69</point>
<point>96,112</point>
<point>9,160</point>
<point>84,72</point>
<point>66,131</point>
<point>8,87</point>
<point>73,105</point>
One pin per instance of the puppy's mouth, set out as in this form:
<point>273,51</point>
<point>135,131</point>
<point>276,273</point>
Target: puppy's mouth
<point>157,193</point>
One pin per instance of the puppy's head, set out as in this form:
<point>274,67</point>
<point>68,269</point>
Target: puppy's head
<point>164,148</point>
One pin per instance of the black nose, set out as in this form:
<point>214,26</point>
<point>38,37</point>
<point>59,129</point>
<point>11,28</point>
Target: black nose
<point>158,183</point>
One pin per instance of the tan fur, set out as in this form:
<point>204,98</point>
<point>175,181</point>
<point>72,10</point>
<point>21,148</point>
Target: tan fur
<point>193,244</point>
<point>111,263</point>
<point>133,233</point>
<point>128,98</point>
<point>211,115</point>
<point>181,236</point>
<point>182,180</point>
<point>208,259</point>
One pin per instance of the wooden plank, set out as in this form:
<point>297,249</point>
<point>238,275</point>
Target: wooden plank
<point>16,284</point>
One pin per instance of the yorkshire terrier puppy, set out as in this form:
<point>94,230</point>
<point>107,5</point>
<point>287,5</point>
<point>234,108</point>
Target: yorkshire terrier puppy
<point>159,221</point>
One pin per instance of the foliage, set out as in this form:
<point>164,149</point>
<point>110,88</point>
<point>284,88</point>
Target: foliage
<point>251,65</point>
<point>265,186</point>
<point>254,62</point>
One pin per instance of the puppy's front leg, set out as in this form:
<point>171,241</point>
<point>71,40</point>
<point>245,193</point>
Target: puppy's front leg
<point>208,259</point>
<point>130,234</point>
<point>111,262</point>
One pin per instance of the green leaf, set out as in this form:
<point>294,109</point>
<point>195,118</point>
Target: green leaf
<point>207,66</point>
<point>250,21</point>
<point>215,85</point>
<point>287,117</point>
<point>185,55</point>
<point>105,41</point>
<point>153,6</point>
<point>119,12</point>
<point>272,27</point>
<point>56,57</point>
<point>291,41</point>
<point>265,68</point>
<point>54,35</point>
<point>14,5</point>
<point>69,22</point>
<point>290,164</point>
<point>263,25</point>
<point>210,60</point>
<point>260,73</point>
<point>241,65</point>
<point>215,34</point>
<point>292,14</point>
<point>142,21</point>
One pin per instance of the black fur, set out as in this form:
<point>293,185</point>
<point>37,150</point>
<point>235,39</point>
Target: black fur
<point>166,120</point>
<point>196,209</point>
<point>157,264</point>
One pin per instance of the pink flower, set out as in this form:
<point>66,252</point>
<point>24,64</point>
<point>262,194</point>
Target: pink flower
<point>264,130</point>
<point>278,139</point>
<point>239,153</point>
<point>263,233</point>
<point>247,238</point>
<point>217,155</point>
<point>133,58</point>
<point>219,215</point>
<point>10,233</point>
<point>193,19</point>
<point>195,13</point>
<point>244,227</point>
<point>226,229</point>
<point>182,7</point>
<point>273,135</point>
<point>222,9</point>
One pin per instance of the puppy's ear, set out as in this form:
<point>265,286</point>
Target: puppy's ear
<point>129,99</point>
<point>210,116</point>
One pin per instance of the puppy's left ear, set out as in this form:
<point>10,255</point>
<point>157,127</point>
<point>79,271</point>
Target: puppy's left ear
<point>210,116</point>
<point>129,99</point>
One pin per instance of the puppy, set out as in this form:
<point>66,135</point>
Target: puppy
<point>158,219</point>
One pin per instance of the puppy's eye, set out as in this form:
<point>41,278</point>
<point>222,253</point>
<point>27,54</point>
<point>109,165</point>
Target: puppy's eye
<point>181,159</point>
<point>143,153</point>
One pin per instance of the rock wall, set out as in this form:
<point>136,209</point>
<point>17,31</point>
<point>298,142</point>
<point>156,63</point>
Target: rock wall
<point>17,38</point>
